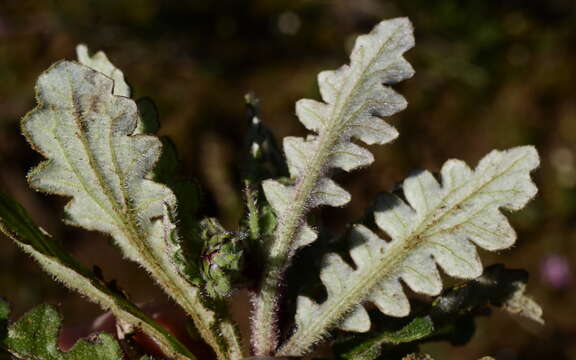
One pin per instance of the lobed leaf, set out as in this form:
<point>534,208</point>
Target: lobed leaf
<point>85,132</point>
<point>450,317</point>
<point>100,63</point>
<point>97,157</point>
<point>437,225</point>
<point>355,98</point>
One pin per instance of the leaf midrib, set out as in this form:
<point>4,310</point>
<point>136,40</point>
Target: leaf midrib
<point>396,252</point>
<point>294,216</point>
<point>133,233</point>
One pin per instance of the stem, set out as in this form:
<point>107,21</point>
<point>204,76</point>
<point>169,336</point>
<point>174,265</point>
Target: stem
<point>265,318</point>
<point>253,211</point>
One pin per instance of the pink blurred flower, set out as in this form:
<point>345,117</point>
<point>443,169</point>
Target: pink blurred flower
<point>555,270</point>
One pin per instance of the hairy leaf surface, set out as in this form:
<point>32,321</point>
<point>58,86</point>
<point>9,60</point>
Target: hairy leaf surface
<point>355,99</point>
<point>98,159</point>
<point>437,225</point>
<point>100,63</point>
<point>165,168</point>
<point>85,132</point>
<point>148,121</point>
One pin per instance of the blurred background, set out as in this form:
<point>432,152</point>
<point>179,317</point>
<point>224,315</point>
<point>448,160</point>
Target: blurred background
<point>489,74</point>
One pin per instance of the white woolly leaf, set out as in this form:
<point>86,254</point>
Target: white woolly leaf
<point>96,158</point>
<point>438,225</point>
<point>86,133</point>
<point>355,99</point>
<point>100,63</point>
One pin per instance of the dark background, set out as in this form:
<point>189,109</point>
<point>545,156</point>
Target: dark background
<point>489,74</point>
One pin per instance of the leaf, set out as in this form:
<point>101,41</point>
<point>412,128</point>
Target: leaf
<point>165,168</point>
<point>356,97</point>
<point>498,286</point>
<point>100,63</point>
<point>369,347</point>
<point>16,224</point>
<point>35,336</point>
<point>522,305</point>
<point>354,101</point>
<point>436,226</point>
<point>95,157</point>
<point>85,132</point>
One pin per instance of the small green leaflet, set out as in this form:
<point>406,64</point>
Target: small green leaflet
<point>34,337</point>
<point>222,257</point>
<point>368,347</point>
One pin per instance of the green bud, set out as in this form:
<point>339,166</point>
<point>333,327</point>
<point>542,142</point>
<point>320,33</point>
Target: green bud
<point>222,257</point>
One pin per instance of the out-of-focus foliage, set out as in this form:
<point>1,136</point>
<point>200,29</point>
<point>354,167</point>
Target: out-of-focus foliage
<point>35,336</point>
<point>489,74</point>
<point>370,349</point>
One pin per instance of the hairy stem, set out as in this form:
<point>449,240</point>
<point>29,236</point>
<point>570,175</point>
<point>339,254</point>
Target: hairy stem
<point>265,318</point>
